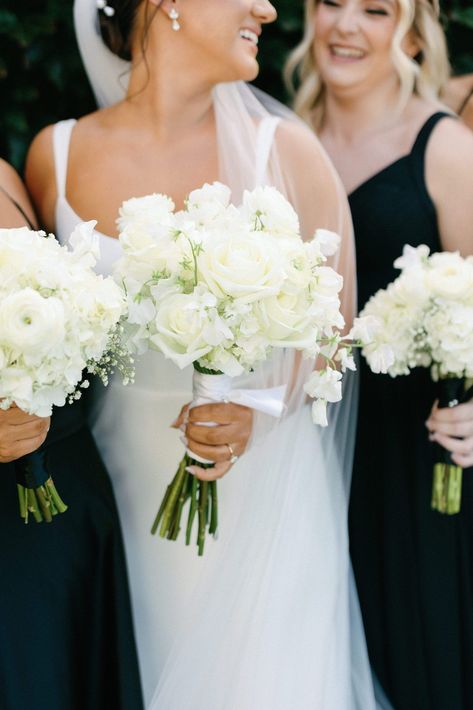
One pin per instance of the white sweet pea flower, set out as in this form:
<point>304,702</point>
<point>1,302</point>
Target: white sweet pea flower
<point>267,209</point>
<point>328,242</point>
<point>84,242</point>
<point>319,412</point>
<point>380,358</point>
<point>346,359</point>
<point>365,329</point>
<point>325,384</point>
<point>412,256</point>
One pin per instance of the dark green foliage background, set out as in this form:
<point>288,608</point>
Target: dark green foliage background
<point>42,81</point>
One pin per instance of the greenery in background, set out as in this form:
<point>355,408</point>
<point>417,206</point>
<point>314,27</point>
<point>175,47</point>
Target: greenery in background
<point>42,81</point>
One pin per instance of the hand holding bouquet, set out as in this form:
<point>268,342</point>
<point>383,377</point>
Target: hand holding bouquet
<point>425,319</point>
<point>220,286</point>
<point>57,319</point>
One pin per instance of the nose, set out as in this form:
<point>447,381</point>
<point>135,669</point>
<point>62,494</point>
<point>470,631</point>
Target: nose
<point>264,11</point>
<point>347,19</point>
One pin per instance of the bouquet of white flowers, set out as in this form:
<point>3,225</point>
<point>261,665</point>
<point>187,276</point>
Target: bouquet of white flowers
<point>220,286</point>
<point>57,319</point>
<point>425,319</point>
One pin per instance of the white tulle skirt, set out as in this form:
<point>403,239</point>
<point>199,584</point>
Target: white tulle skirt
<point>268,619</point>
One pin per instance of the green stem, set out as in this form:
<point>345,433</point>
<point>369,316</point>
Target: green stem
<point>23,502</point>
<point>56,499</point>
<point>203,503</point>
<point>162,507</point>
<point>173,497</point>
<point>193,508</point>
<point>214,515</point>
<point>183,496</point>
<point>33,505</point>
<point>44,503</point>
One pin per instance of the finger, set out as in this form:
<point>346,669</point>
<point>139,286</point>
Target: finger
<point>456,446</point>
<point>458,429</point>
<point>181,419</point>
<point>213,453</point>
<point>16,417</point>
<point>220,413</point>
<point>460,413</point>
<point>210,474</point>
<point>215,435</point>
<point>11,453</point>
<point>465,461</point>
<point>31,430</point>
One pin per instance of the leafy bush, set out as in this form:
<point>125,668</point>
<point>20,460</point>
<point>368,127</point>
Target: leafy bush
<point>42,80</point>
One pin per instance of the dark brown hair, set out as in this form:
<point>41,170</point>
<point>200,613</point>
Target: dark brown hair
<point>117,31</point>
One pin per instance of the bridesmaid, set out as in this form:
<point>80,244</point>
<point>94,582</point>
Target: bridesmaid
<point>66,634</point>
<point>370,72</point>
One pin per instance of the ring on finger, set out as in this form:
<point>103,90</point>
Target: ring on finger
<point>233,457</point>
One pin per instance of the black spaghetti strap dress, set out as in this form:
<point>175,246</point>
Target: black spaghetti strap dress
<point>413,566</point>
<point>66,632</point>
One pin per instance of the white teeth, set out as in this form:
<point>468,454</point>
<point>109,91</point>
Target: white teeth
<point>347,52</point>
<point>248,34</point>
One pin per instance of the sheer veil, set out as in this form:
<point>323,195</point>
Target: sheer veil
<point>261,142</point>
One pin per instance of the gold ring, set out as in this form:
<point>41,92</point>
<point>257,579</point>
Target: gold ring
<point>233,457</point>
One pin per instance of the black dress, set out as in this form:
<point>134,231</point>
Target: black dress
<point>413,566</point>
<point>66,633</point>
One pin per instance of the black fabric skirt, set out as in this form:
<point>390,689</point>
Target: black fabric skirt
<point>66,632</point>
<point>413,565</point>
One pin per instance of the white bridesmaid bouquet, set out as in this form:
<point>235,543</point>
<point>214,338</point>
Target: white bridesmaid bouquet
<point>220,286</point>
<point>425,319</point>
<point>57,319</point>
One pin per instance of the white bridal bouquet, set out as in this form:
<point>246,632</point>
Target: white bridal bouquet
<point>219,286</point>
<point>57,319</point>
<point>425,319</point>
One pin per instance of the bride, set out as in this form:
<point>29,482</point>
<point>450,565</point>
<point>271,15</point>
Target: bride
<point>268,618</point>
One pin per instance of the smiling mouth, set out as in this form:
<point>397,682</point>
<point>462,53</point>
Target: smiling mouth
<point>249,36</point>
<point>346,52</point>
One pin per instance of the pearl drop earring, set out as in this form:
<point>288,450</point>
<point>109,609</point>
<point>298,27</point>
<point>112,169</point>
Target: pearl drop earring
<point>174,16</point>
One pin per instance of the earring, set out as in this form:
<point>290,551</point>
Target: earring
<point>108,10</point>
<point>174,16</point>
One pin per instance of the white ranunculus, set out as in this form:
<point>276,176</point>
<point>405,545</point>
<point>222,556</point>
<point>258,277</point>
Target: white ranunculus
<point>208,204</point>
<point>325,384</point>
<point>266,208</point>
<point>180,326</point>
<point>328,242</point>
<point>31,324</point>
<point>450,276</point>
<point>241,266</point>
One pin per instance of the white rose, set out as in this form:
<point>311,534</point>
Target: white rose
<point>182,323</point>
<point>286,321</point>
<point>325,384</point>
<point>31,324</point>
<point>243,266</point>
<point>328,242</point>
<point>266,208</point>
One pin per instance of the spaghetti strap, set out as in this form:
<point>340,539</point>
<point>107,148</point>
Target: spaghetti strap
<point>465,102</point>
<point>19,208</point>
<point>266,131</point>
<point>61,140</point>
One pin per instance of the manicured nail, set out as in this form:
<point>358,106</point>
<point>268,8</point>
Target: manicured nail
<point>183,440</point>
<point>174,424</point>
<point>193,470</point>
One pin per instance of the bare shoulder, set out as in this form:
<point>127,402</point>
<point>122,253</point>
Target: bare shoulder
<point>40,175</point>
<point>450,149</point>
<point>13,189</point>
<point>457,91</point>
<point>301,151</point>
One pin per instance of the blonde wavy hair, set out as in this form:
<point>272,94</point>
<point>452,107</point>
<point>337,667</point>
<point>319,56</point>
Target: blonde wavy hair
<point>425,76</point>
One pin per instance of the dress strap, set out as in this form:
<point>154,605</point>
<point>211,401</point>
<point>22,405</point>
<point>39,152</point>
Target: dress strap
<point>18,207</point>
<point>424,134</point>
<point>61,140</point>
<point>265,139</point>
<point>465,102</point>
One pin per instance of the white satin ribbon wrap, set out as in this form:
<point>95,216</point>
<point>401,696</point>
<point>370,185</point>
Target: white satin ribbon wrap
<point>218,388</point>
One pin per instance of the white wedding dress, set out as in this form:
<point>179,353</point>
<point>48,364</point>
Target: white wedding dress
<point>268,618</point>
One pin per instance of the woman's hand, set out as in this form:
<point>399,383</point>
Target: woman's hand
<point>452,428</point>
<point>220,443</point>
<point>20,433</point>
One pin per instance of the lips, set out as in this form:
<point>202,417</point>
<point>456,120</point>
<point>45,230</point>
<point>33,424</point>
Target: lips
<point>344,52</point>
<point>250,36</point>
